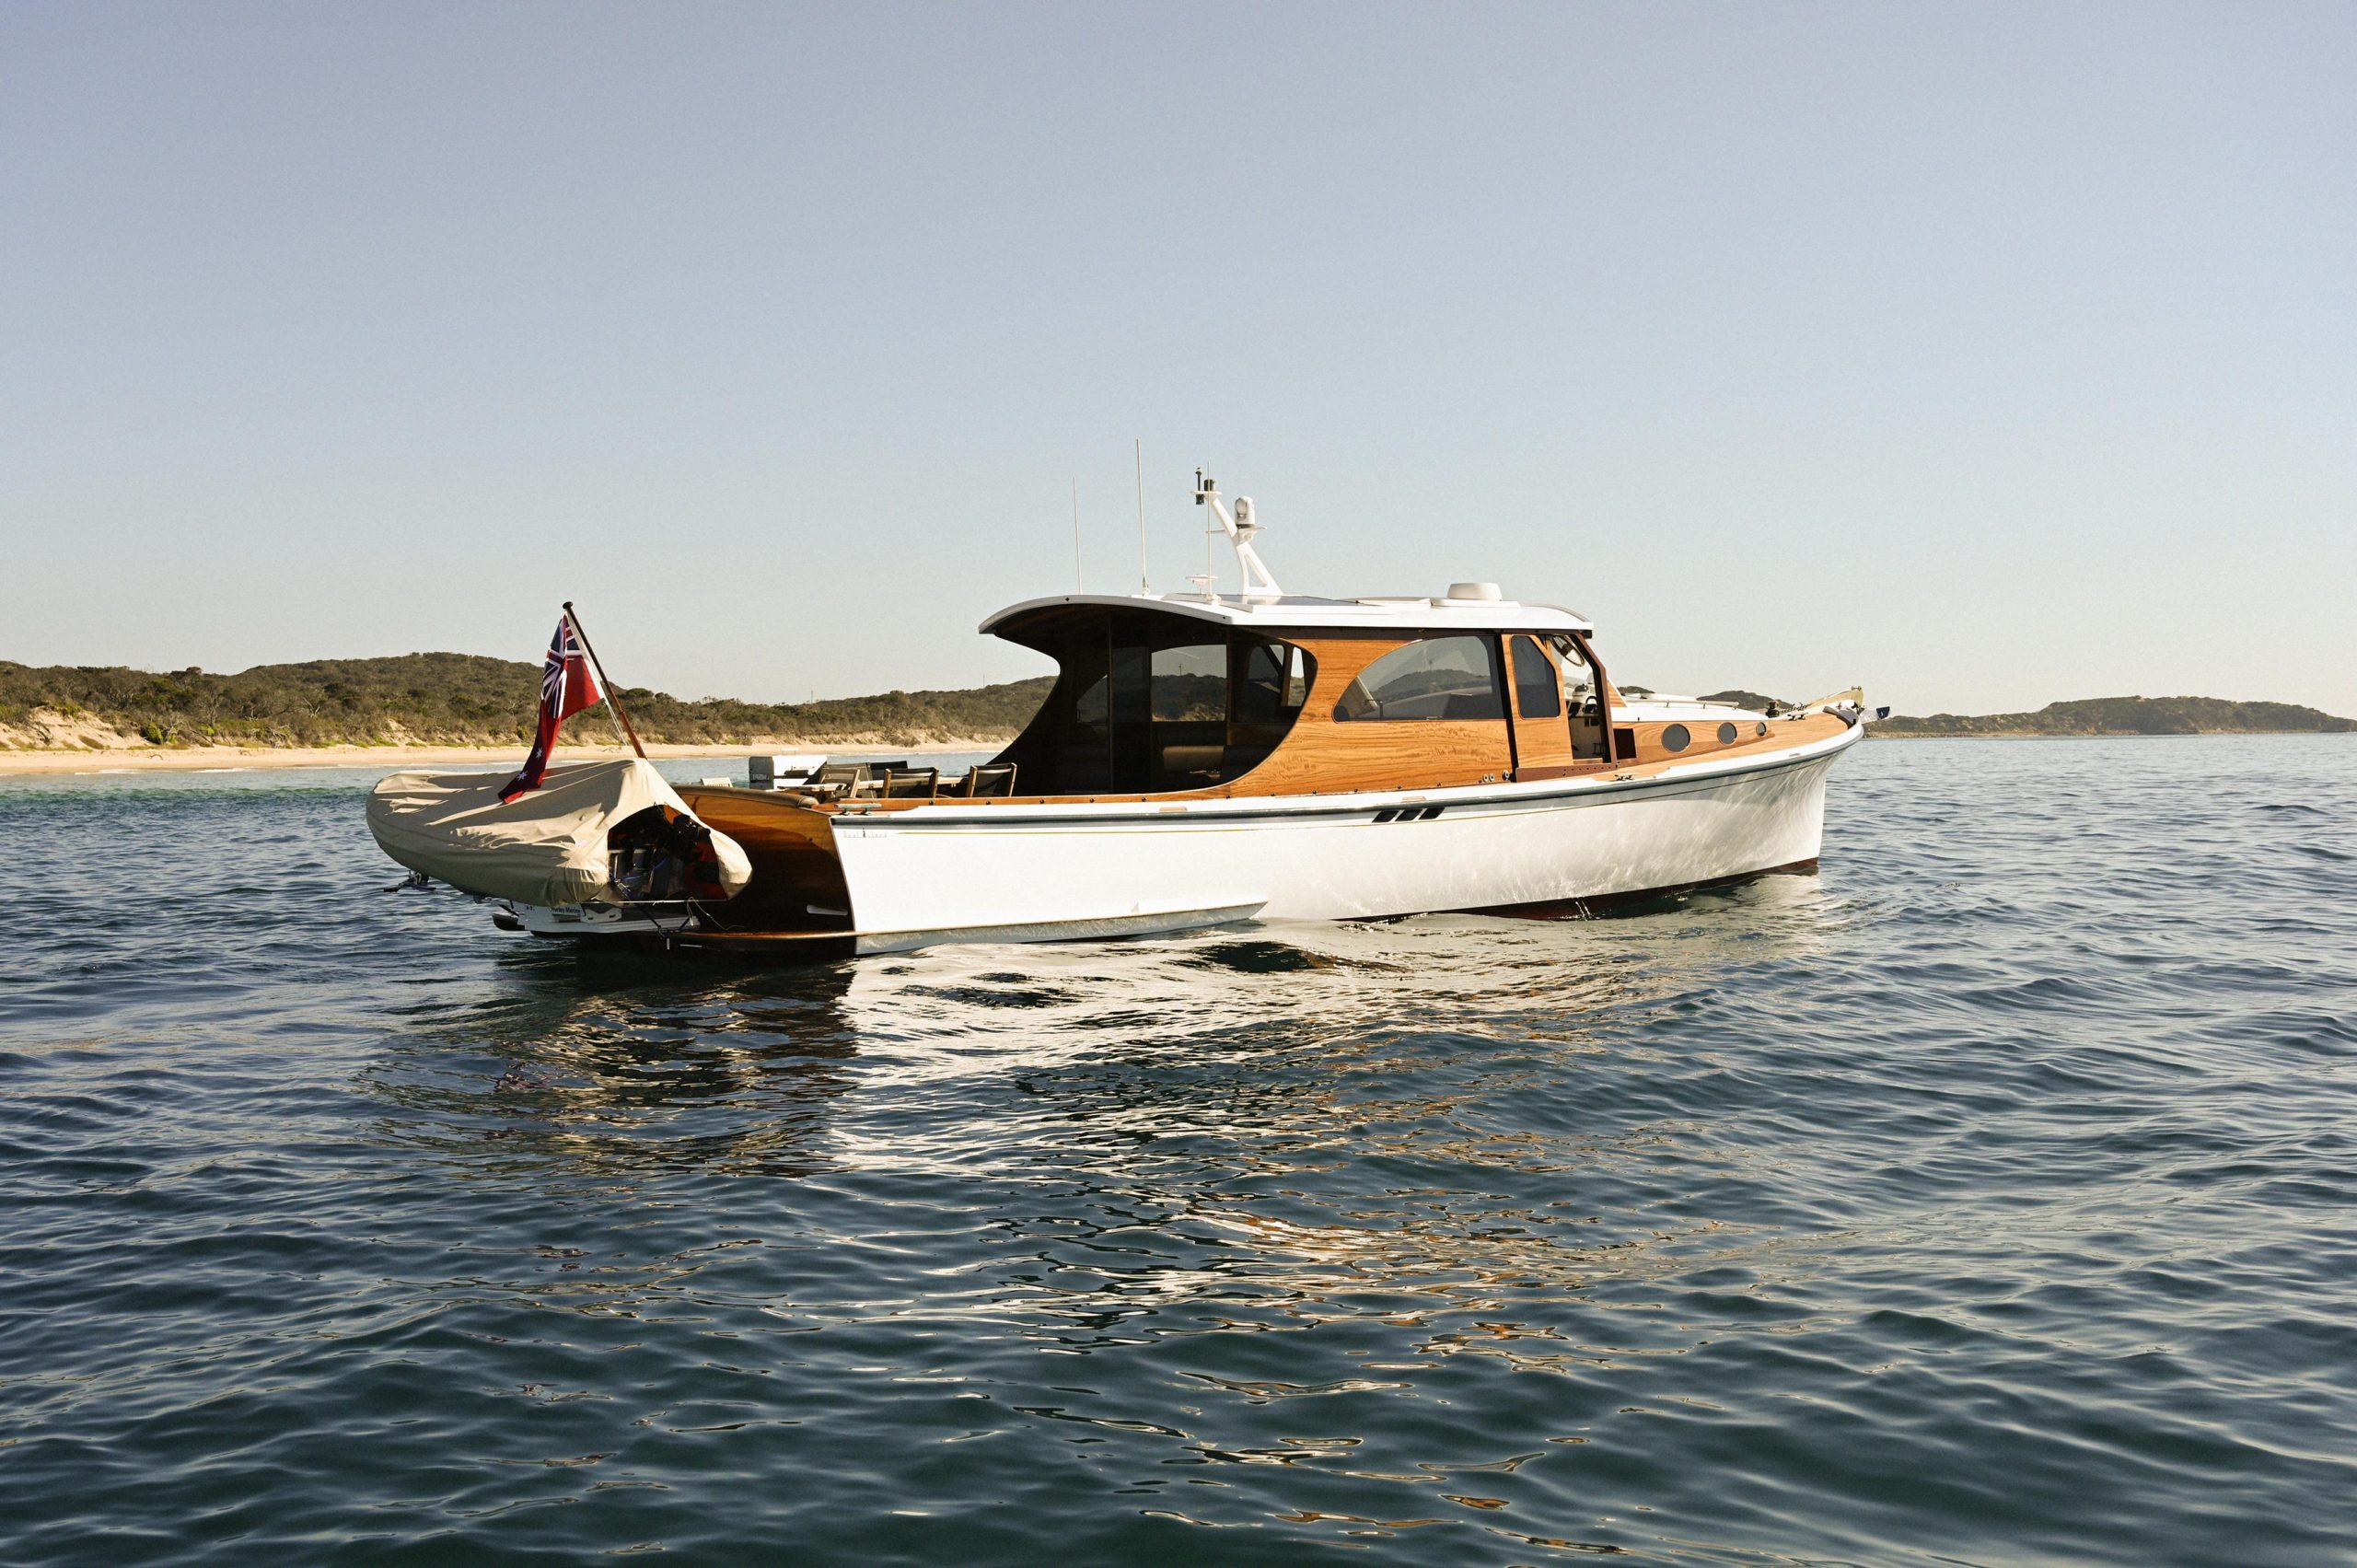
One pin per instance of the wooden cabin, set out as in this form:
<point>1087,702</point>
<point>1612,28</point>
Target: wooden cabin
<point>1174,696</point>
<point>1178,698</point>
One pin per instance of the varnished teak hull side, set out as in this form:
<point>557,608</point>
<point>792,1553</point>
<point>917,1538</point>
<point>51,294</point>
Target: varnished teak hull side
<point>796,875</point>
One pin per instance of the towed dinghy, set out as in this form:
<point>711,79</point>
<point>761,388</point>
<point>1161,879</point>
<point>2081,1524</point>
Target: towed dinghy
<point>603,846</point>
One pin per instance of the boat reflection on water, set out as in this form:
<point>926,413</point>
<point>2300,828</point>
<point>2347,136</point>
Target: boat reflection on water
<point>1092,1142</point>
<point>625,1066</point>
<point>1318,987</point>
<point>1203,1115</point>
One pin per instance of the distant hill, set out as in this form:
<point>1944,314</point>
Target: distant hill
<point>1736,697</point>
<point>467,700</point>
<point>2129,716</point>
<point>452,700</point>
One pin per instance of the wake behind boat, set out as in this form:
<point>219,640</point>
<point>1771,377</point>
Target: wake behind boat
<point>1201,759</point>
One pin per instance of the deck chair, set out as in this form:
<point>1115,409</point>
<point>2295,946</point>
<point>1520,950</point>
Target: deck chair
<point>911,784</point>
<point>990,778</point>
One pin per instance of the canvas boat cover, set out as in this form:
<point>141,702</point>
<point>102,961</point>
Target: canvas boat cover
<point>547,847</point>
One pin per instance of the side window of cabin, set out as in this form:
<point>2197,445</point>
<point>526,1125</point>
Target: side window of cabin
<point>1189,684</point>
<point>1144,703</point>
<point>1579,685</point>
<point>1433,678</point>
<point>1579,675</point>
<point>1260,683</point>
<point>1535,695</point>
<point>1182,714</point>
<point>1272,681</point>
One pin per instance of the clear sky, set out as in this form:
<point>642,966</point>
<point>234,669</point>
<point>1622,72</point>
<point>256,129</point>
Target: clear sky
<point>1987,354</point>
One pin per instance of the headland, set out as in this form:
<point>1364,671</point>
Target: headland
<point>442,708</point>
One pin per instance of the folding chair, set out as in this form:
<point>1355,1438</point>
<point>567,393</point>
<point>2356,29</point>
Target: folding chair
<point>840,778</point>
<point>990,778</point>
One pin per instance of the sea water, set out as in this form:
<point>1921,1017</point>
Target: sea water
<point>1989,1196</point>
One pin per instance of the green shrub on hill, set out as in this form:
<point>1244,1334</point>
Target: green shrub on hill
<point>1736,697</point>
<point>469,700</point>
<point>2129,716</point>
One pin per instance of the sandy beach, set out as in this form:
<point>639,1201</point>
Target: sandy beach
<point>201,759</point>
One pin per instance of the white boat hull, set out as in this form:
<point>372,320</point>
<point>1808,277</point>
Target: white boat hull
<point>952,871</point>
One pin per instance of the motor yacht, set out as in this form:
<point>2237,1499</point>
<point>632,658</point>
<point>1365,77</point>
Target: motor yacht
<point>1202,758</point>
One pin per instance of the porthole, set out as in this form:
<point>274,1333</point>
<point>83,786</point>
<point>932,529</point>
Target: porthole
<point>1761,728</point>
<point>1726,735</point>
<point>1675,738</point>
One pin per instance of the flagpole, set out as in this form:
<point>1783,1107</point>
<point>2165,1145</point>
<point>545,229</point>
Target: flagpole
<point>606,681</point>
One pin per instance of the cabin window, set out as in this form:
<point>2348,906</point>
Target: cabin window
<point>1272,682</point>
<point>1089,706</point>
<point>1676,738</point>
<point>1580,689</point>
<point>1187,684</point>
<point>1579,675</point>
<point>1148,703</point>
<point>1433,678</point>
<point>1535,695</point>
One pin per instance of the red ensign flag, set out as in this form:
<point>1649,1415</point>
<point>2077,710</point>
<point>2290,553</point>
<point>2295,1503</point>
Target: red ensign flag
<point>567,686</point>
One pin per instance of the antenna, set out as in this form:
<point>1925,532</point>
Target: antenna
<point>1139,444</point>
<point>1210,571</point>
<point>1079,584</point>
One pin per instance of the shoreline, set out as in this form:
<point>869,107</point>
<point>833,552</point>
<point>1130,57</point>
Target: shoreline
<point>219,759</point>
<point>224,759</point>
<point>1872,733</point>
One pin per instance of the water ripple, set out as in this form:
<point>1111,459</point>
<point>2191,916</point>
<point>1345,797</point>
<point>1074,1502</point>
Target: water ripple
<point>1986,1198</point>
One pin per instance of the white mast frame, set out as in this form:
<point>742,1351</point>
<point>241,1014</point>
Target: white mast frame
<point>1239,525</point>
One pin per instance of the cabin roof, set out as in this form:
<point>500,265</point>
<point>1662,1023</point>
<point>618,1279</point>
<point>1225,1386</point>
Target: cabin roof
<point>1296,611</point>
